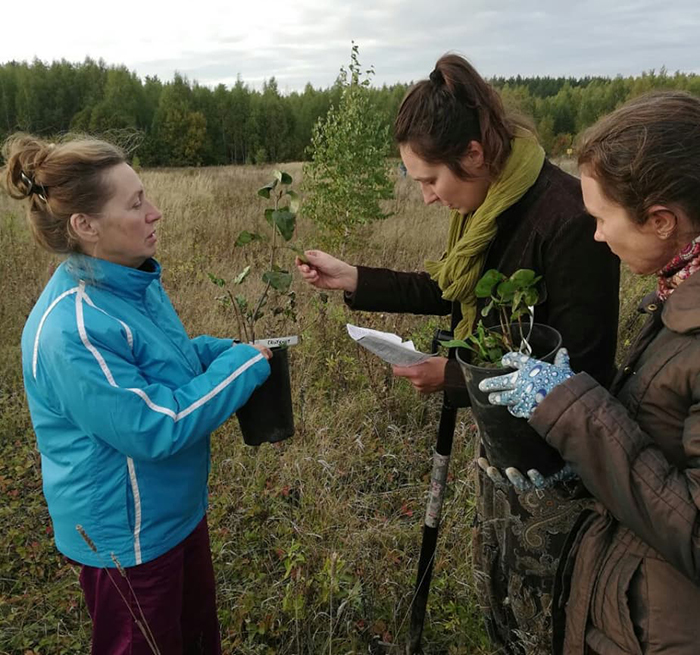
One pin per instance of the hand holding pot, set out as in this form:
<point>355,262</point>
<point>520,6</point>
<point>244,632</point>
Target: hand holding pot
<point>523,390</point>
<point>533,481</point>
<point>266,352</point>
<point>324,271</point>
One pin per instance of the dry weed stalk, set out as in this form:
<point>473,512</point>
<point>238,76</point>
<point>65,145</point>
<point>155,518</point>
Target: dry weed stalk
<point>142,623</point>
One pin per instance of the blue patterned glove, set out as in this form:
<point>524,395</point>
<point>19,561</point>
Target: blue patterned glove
<point>523,390</point>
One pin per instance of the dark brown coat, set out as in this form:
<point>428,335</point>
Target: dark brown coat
<point>548,231</point>
<point>632,578</point>
<point>517,539</point>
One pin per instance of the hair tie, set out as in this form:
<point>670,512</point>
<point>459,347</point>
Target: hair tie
<point>33,188</point>
<point>437,78</point>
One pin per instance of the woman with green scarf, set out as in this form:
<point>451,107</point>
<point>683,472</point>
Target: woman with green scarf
<point>510,208</point>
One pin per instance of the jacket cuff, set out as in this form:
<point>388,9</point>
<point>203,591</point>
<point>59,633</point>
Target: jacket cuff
<point>371,285</point>
<point>557,403</point>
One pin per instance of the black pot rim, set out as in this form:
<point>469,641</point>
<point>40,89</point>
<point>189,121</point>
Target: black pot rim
<point>499,370</point>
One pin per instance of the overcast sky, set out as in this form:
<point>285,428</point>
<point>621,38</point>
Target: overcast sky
<point>300,41</point>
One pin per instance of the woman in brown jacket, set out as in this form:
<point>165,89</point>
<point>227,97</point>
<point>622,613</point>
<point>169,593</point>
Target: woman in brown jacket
<point>630,581</point>
<point>511,209</point>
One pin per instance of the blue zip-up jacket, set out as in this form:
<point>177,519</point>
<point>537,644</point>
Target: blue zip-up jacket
<point>122,403</point>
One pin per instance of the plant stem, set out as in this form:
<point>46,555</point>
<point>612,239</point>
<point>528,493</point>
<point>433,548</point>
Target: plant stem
<point>240,319</point>
<point>145,627</point>
<point>274,233</point>
<point>254,316</point>
<point>505,328</point>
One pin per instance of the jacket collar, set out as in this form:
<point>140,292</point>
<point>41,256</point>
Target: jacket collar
<point>681,312</point>
<point>121,280</point>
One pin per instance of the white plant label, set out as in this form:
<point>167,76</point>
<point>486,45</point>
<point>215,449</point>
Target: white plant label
<point>277,342</point>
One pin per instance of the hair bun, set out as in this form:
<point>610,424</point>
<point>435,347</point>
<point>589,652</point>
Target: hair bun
<point>24,155</point>
<point>32,187</point>
<point>437,78</point>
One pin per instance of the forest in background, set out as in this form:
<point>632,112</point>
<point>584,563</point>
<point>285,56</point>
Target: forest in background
<point>184,123</point>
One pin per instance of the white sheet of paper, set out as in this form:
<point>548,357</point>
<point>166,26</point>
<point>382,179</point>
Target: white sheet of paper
<point>387,346</point>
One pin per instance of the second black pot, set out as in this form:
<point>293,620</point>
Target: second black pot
<point>267,416</point>
<point>508,440</point>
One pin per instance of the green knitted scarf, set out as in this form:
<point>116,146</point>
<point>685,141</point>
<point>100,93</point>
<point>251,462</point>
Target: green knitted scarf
<point>460,267</point>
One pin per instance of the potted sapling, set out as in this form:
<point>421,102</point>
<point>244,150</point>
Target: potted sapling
<point>267,416</point>
<point>510,310</point>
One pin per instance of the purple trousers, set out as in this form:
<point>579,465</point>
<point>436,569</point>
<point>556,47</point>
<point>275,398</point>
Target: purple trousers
<point>176,592</point>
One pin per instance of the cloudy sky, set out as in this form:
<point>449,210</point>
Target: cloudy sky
<point>300,41</point>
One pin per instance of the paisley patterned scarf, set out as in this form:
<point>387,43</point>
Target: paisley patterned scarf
<point>680,268</point>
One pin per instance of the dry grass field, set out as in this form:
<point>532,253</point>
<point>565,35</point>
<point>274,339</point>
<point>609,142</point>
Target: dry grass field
<point>315,540</point>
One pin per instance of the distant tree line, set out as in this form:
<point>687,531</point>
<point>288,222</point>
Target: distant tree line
<point>561,107</point>
<point>182,123</point>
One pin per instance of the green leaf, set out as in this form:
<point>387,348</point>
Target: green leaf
<point>242,275</point>
<point>217,280</point>
<point>285,222</point>
<point>293,201</point>
<point>487,309</point>
<point>531,297</point>
<point>265,190</point>
<point>282,177</point>
<point>299,253</point>
<point>517,313</point>
<point>523,277</point>
<point>495,355</point>
<point>488,281</point>
<point>506,290</point>
<point>278,280</point>
<point>245,237</point>
<point>455,343</point>
<point>242,302</point>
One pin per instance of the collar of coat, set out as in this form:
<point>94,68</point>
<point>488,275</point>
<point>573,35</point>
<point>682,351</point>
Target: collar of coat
<point>681,312</point>
<point>123,281</point>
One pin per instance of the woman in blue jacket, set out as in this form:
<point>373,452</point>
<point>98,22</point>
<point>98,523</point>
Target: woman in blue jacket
<point>122,401</point>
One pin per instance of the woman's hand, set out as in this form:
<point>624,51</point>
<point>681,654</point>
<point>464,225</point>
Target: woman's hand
<point>534,480</point>
<point>427,377</point>
<point>267,353</point>
<point>324,271</point>
<point>523,390</point>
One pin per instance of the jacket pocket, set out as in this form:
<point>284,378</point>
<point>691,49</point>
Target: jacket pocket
<point>666,604</point>
<point>133,497</point>
<point>611,607</point>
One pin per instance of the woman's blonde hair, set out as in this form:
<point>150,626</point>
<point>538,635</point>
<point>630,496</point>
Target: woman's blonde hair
<point>58,180</point>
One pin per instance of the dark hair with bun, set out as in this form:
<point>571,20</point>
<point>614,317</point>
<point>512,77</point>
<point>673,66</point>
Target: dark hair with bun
<point>440,116</point>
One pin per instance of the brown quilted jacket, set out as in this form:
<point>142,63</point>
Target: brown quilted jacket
<point>630,583</point>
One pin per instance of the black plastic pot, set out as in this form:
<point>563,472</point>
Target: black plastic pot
<point>508,440</point>
<point>267,416</point>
